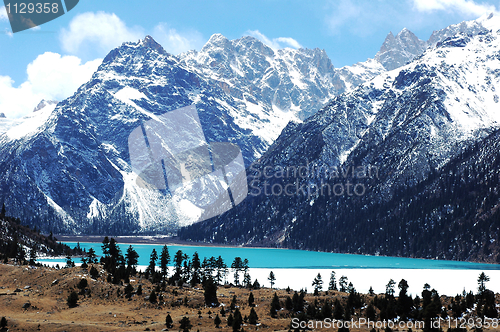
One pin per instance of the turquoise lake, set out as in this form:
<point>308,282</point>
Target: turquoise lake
<point>295,259</point>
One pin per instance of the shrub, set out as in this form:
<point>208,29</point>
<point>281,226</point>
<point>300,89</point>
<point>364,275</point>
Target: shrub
<point>3,322</point>
<point>94,274</point>
<point>72,300</point>
<point>82,284</point>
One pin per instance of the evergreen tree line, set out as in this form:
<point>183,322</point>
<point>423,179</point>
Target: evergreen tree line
<point>404,307</point>
<point>450,214</point>
<point>23,244</point>
<point>185,269</point>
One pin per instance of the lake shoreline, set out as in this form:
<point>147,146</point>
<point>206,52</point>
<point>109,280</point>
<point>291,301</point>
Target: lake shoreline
<point>175,241</point>
<point>143,239</point>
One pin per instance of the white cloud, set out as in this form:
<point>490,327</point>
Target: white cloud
<point>365,18</point>
<point>464,7</point>
<point>175,42</point>
<point>3,14</point>
<point>344,12</point>
<point>98,31</point>
<point>50,76</point>
<point>275,43</point>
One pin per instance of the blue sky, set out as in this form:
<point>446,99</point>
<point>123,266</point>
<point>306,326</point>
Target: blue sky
<point>54,59</point>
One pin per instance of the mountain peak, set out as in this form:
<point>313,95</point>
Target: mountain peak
<point>405,32</point>
<point>44,103</point>
<point>149,42</point>
<point>218,40</point>
<point>397,50</point>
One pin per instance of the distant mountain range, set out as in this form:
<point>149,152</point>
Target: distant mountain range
<point>422,130</point>
<point>409,113</point>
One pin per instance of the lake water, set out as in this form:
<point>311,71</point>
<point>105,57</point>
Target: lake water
<point>297,268</point>
<point>293,259</point>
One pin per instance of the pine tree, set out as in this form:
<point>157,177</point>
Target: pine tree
<point>91,256</point>
<point>256,284</point>
<point>3,323</point>
<point>370,312</point>
<point>389,288</point>
<point>69,262</point>
<point>84,263</point>
<point>128,291</point>
<point>288,303</point>
<point>132,259</point>
<point>152,297</point>
<point>105,246</point>
<point>2,213</point>
<point>317,284</point>
<point>332,285</point>
<point>233,303</point>
<point>230,320</point>
<point>94,274</point>
<point>221,270</point>
<point>273,310</point>
<point>343,284</point>
<point>237,320</point>
<point>196,267</point>
<point>152,261</point>
<point>404,303</point>
<point>72,300</point>
<point>169,323</point>
<point>338,312</point>
<point>217,321</point>
<point>271,279</point>
<point>164,260</point>
<point>247,280</point>
<point>185,324</point>
<point>32,259</point>
<point>237,266</point>
<point>210,294</point>
<point>251,300</point>
<point>178,259</point>
<point>82,284</point>
<point>481,281</point>
<point>275,305</point>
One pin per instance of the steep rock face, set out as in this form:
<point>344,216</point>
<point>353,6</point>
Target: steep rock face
<point>298,82</point>
<point>406,125</point>
<point>398,50</point>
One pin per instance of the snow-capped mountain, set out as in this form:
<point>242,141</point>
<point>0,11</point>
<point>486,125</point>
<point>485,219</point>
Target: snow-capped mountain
<point>398,50</point>
<point>405,126</point>
<point>69,165</point>
<point>282,84</point>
